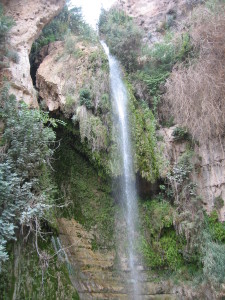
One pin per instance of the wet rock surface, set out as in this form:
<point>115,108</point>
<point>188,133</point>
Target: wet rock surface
<point>94,273</point>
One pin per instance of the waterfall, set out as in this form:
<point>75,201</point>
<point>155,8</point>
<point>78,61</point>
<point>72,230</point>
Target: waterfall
<point>61,253</point>
<point>128,196</point>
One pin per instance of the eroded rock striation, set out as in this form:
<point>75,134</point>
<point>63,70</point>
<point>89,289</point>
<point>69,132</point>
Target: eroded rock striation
<point>30,18</point>
<point>95,275</point>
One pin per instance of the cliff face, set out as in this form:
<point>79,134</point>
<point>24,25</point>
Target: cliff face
<point>210,173</point>
<point>30,18</point>
<point>96,276</point>
<point>64,72</point>
<point>154,16</point>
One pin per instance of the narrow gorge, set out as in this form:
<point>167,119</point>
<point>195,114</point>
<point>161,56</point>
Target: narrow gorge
<point>112,178</point>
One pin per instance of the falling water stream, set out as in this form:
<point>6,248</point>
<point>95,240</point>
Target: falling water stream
<point>128,187</point>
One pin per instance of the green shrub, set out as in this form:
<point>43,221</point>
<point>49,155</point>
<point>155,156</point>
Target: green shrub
<point>216,228</point>
<point>218,202</point>
<point>181,134</point>
<point>24,196</point>
<point>143,130</point>
<point>213,259</point>
<point>122,36</point>
<point>69,44</point>
<point>105,104</point>
<point>69,101</point>
<point>186,48</point>
<point>85,98</point>
<point>6,24</point>
<point>160,245</point>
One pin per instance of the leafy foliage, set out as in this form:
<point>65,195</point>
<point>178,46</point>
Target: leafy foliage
<point>216,228</point>
<point>181,134</point>
<point>159,244</point>
<point>203,239</point>
<point>122,36</point>
<point>213,258</point>
<point>26,156</point>
<point>23,276</point>
<point>150,66</point>
<point>147,156</point>
<point>5,24</point>
<point>85,98</point>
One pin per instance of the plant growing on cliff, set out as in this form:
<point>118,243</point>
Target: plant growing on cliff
<point>68,22</point>
<point>147,156</point>
<point>85,98</point>
<point>195,93</point>
<point>91,129</point>
<point>159,244</point>
<point>122,35</point>
<point>5,24</point>
<point>26,153</point>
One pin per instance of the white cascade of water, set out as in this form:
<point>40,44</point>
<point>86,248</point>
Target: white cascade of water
<point>61,253</point>
<point>128,194</point>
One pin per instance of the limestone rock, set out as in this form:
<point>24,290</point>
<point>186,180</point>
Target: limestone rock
<point>30,18</point>
<point>64,72</point>
<point>154,16</point>
<point>94,274</point>
<point>210,175</point>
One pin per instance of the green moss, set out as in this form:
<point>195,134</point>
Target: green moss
<point>217,229</point>
<point>143,126</point>
<point>24,277</point>
<point>99,159</point>
<point>159,244</point>
<point>88,196</point>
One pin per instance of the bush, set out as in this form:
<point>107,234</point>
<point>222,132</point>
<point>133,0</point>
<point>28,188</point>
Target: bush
<point>158,63</point>
<point>12,55</point>
<point>216,228</point>
<point>105,104</point>
<point>159,244</point>
<point>147,156</point>
<point>181,134</point>
<point>25,191</point>
<point>85,98</point>
<point>195,94</point>
<point>213,258</point>
<point>6,24</point>
<point>218,202</point>
<point>122,36</point>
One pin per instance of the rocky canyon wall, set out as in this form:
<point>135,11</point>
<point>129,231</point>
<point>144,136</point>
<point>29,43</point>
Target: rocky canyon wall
<point>154,16</point>
<point>30,18</point>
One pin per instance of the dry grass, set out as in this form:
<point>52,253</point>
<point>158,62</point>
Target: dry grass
<point>196,95</point>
